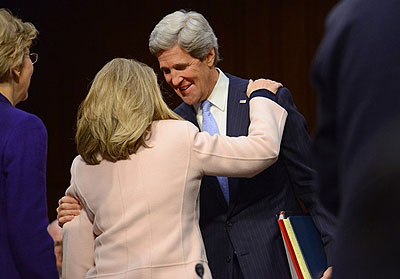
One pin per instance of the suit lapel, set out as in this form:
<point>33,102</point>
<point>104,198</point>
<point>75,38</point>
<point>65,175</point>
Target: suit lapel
<point>238,112</point>
<point>237,125</point>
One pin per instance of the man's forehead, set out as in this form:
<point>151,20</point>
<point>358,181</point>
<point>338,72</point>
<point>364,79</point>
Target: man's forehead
<point>174,56</point>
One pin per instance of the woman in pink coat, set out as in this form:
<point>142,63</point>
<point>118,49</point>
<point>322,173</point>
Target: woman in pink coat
<point>138,176</point>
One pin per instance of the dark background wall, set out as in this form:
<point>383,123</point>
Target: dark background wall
<point>276,39</point>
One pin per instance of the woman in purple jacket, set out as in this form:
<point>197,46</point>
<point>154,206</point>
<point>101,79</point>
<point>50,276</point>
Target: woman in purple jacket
<point>26,249</point>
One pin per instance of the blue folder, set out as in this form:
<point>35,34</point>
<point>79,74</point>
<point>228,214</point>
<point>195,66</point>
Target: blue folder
<point>310,244</point>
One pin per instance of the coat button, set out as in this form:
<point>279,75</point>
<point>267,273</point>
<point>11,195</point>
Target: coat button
<point>228,259</point>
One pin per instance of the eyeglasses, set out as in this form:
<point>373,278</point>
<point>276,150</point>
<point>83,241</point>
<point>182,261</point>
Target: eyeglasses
<point>34,57</point>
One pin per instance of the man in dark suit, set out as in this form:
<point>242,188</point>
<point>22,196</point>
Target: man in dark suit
<point>239,227</point>
<point>356,73</point>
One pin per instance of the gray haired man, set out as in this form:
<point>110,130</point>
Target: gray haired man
<point>239,228</point>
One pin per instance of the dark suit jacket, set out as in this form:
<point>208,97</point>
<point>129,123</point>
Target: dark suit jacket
<point>248,226</point>
<point>356,73</point>
<point>26,249</point>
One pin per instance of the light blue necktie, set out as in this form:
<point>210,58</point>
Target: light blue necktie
<point>210,126</point>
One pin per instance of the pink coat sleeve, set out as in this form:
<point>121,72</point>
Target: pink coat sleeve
<point>242,156</point>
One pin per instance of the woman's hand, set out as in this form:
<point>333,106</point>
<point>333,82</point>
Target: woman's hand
<point>68,208</point>
<point>262,83</point>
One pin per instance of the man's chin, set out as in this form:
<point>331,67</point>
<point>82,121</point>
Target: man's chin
<point>189,101</point>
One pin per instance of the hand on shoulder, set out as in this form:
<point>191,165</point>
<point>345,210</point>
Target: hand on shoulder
<point>263,83</point>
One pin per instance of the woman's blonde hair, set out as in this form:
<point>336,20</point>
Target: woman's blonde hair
<point>15,39</point>
<point>115,117</point>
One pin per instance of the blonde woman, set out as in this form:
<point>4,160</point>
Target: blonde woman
<point>26,249</point>
<point>138,176</point>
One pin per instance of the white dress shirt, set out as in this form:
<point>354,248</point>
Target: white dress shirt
<point>219,100</point>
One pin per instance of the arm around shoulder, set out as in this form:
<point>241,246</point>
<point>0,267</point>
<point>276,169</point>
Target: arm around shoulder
<point>243,156</point>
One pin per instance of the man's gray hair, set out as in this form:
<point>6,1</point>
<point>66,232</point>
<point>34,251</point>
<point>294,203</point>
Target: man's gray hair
<point>188,29</point>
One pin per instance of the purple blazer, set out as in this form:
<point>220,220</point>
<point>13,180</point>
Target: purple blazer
<point>26,249</point>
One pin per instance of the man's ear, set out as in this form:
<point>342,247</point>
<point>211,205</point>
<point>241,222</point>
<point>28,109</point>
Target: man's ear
<point>210,58</point>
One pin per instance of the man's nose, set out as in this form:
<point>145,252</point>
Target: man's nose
<point>176,78</point>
